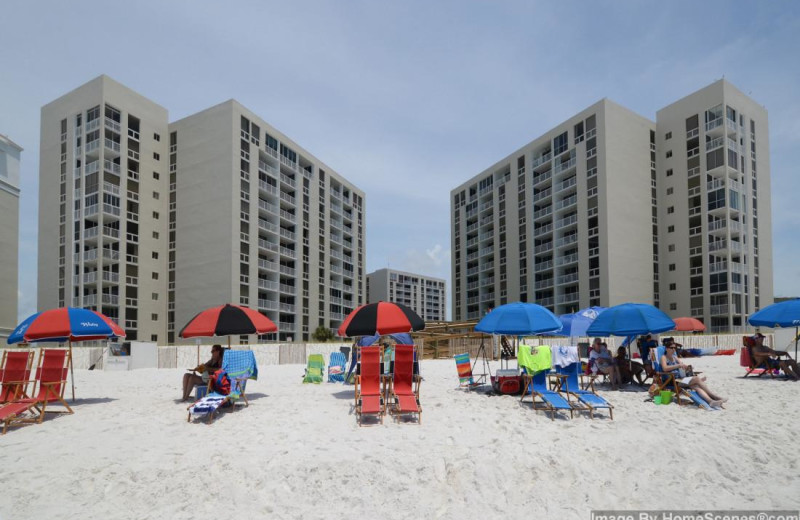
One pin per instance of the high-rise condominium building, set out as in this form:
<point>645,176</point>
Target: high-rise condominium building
<point>103,206</point>
<point>151,223</point>
<point>261,222</point>
<point>611,207</point>
<point>424,294</point>
<point>565,221</point>
<point>9,234</point>
<point>715,216</point>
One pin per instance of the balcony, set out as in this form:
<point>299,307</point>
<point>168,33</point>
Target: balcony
<point>568,278</point>
<point>566,221</point>
<point>542,230</point>
<point>111,167</point>
<point>715,143</point>
<point>112,147</point>
<point>567,240</point>
<point>92,167</point>
<point>546,302</point>
<point>714,126</point>
<point>567,183</point>
<point>110,277</point>
<point>569,297</point>
<point>542,159</point>
<point>542,177</point>
<point>564,166</point>
<point>110,299</point>
<point>111,189</point>
<point>89,300</point>
<point>543,248</point>
<point>567,202</point>
<point>543,266</point>
<point>288,162</point>
<point>92,147</point>
<point>569,259</point>
<point>719,310</point>
<point>265,167</point>
<point>111,210</point>
<point>542,212</point>
<point>542,194</point>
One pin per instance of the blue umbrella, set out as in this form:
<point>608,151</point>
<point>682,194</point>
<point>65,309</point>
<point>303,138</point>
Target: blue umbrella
<point>630,319</point>
<point>577,323</point>
<point>519,319</point>
<point>782,314</point>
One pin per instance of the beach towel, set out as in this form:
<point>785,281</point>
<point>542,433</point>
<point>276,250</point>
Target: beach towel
<point>540,358</point>
<point>564,356</point>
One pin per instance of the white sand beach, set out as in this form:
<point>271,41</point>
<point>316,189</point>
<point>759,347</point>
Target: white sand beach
<point>297,452</point>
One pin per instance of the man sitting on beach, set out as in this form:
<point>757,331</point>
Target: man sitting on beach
<point>772,358</point>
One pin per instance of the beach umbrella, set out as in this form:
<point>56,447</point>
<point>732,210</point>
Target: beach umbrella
<point>782,314</point>
<point>519,319</point>
<point>576,324</point>
<point>380,318</point>
<point>630,319</point>
<point>689,325</point>
<point>226,320</point>
<point>66,324</point>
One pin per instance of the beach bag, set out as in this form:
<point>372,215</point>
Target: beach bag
<point>220,382</point>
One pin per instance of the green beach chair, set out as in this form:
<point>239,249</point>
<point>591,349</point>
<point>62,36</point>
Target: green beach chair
<point>315,368</point>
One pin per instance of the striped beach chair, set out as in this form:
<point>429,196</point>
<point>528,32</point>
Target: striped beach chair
<point>464,367</point>
<point>336,367</point>
<point>240,365</point>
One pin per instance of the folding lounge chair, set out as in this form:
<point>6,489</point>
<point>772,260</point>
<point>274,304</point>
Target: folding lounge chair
<point>240,365</point>
<point>51,375</point>
<point>748,361</point>
<point>590,399</point>
<point>405,385</point>
<point>15,374</point>
<point>536,368</point>
<point>368,391</point>
<point>465,372</point>
<point>336,367</point>
<point>315,368</point>
<point>667,381</point>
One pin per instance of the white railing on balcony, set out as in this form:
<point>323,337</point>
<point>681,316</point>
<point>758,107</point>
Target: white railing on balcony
<point>542,177</point>
<point>112,145</point>
<point>543,266</point>
<point>715,143</point>
<point>269,188</point>
<point>568,297</point>
<point>110,254</point>
<point>112,125</point>
<point>89,299</point>
<point>569,259</point>
<point>717,310</point>
<point>566,221</point>
<point>111,299</point>
<point>92,146</point>
<point>92,167</point>
<point>565,165</point>
<point>543,284</point>
<point>108,276</point>
<point>91,210</point>
<point>543,212</point>
<point>541,230</point>
<point>266,167</point>
<point>286,161</point>
<point>569,201</point>
<point>568,278</point>
<point>543,248</point>
<point>285,251</point>
<point>715,184</point>
<point>111,167</point>
<point>111,209</point>
<point>567,183</point>
<point>267,226</point>
<point>546,302</point>
<point>567,240</point>
<point>538,161</point>
<point>542,194</point>
<point>714,123</point>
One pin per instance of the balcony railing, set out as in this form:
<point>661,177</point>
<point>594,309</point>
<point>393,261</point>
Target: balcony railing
<point>569,259</point>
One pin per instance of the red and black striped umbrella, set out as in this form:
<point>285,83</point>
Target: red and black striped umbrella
<point>227,320</point>
<point>380,318</point>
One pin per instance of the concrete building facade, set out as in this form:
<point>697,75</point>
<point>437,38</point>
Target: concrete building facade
<point>424,294</point>
<point>103,206</point>
<point>261,222</point>
<point>610,207</point>
<point>9,234</point>
<point>714,184</point>
<point>556,223</point>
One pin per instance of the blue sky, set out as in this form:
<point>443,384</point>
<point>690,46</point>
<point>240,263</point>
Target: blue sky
<point>407,100</point>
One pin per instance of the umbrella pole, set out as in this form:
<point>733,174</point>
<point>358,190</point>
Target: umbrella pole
<point>796,337</point>
<point>71,371</point>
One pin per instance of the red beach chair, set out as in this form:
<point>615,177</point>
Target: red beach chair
<point>52,377</point>
<point>405,387</point>
<point>15,373</point>
<point>369,396</point>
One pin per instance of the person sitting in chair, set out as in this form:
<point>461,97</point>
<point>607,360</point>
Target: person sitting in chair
<point>628,369</point>
<point>684,377</point>
<point>600,361</point>
<point>192,379</point>
<point>772,358</point>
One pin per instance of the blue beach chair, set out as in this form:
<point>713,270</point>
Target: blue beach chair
<point>570,383</point>
<point>536,369</point>
<point>240,365</point>
<point>336,367</point>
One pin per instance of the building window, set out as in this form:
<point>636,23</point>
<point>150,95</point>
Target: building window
<point>155,276</point>
<point>669,154</point>
<point>673,306</point>
<point>155,235</point>
<point>155,195</point>
<point>154,317</point>
<point>670,210</point>
<point>673,286</point>
<point>155,255</point>
<point>671,229</point>
<point>671,267</point>
<point>155,215</point>
<point>156,176</point>
<point>154,337</point>
<point>669,172</point>
<point>668,136</point>
<point>154,296</point>
<point>670,191</point>
<point>671,248</point>
<point>156,156</point>
<point>157,137</point>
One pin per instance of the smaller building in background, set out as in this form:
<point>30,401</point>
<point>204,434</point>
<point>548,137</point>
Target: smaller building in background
<point>424,294</point>
<point>9,234</point>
